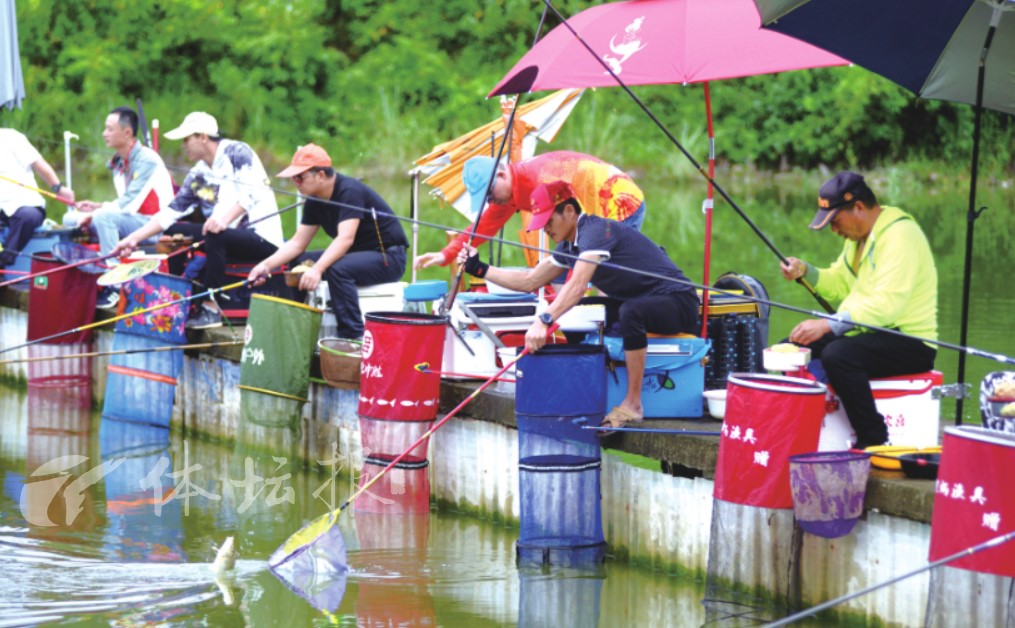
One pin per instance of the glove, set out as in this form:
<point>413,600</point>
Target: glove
<point>475,267</point>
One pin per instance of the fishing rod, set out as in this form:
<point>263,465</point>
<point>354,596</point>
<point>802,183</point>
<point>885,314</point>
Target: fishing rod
<point>82,262</point>
<point>449,300</point>
<point>100,354</point>
<point>969,551</point>
<point>211,292</point>
<point>694,162</point>
<point>650,430</point>
<point>45,193</point>
<point>303,538</point>
<point>424,367</point>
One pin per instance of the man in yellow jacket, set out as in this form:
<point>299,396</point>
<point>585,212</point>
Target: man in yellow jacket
<point>885,277</point>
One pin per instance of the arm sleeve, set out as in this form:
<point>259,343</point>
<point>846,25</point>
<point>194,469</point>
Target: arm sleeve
<point>495,217</point>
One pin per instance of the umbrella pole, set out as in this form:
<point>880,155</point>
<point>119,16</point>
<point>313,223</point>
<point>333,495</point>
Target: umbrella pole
<point>709,202</point>
<point>414,212</point>
<point>972,213</point>
<point>67,137</point>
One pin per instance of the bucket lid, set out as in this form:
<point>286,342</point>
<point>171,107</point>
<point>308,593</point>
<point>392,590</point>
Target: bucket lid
<point>777,383</point>
<point>982,434</point>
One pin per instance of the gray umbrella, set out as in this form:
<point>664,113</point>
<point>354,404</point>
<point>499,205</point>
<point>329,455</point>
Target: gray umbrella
<point>12,83</point>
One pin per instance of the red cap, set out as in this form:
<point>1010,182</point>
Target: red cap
<point>307,157</point>
<point>545,199</point>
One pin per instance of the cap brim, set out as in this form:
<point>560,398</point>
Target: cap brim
<point>292,171</point>
<point>176,134</point>
<point>823,217</point>
<point>539,220</point>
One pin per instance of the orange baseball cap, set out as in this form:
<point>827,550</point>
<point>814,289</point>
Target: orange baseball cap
<point>307,157</point>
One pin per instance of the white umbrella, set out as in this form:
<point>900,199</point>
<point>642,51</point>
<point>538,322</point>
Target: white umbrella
<point>12,83</point>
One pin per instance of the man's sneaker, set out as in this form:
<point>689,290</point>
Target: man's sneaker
<point>108,298</point>
<point>206,319</point>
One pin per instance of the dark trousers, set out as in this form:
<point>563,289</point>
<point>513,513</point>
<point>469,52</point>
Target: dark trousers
<point>238,245</point>
<point>178,263</point>
<point>360,268</point>
<point>21,226</point>
<point>851,361</point>
<point>675,313</point>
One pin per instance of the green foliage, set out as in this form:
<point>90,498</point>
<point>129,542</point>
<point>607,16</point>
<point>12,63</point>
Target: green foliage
<point>380,82</point>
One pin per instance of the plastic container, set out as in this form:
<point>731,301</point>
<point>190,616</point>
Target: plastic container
<point>768,419</point>
<point>974,499</point>
<point>716,402</point>
<point>402,360</point>
<point>341,361</point>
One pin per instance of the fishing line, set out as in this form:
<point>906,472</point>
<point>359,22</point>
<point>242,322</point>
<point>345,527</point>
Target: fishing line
<point>831,316</point>
<point>99,354</point>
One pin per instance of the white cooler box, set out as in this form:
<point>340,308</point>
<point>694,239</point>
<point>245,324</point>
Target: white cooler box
<point>912,414</point>
<point>503,315</point>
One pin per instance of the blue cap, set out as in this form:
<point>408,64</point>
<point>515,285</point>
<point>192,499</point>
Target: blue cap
<point>476,175</point>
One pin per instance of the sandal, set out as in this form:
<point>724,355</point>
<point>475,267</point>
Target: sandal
<point>618,417</point>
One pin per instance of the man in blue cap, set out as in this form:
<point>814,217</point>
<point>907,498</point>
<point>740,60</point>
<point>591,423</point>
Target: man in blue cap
<point>886,277</point>
<point>601,188</point>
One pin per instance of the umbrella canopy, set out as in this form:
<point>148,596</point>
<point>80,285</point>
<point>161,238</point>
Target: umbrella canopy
<point>537,120</point>
<point>930,47</point>
<point>956,50</point>
<point>647,42</point>
<point>12,83</point>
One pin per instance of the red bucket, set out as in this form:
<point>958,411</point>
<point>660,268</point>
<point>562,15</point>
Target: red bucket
<point>974,500</point>
<point>404,489</point>
<point>397,348</point>
<point>60,301</point>
<point>768,419</point>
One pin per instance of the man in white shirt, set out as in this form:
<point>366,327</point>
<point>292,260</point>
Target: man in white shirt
<point>243,224</point>
<point>22,209</point>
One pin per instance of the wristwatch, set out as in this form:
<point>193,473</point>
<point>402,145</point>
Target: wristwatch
<point>546,318</point>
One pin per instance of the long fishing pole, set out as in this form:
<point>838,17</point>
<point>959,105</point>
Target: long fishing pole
<point>100,354</point>
<point>297,543</point>
<point>208,293</point>
<point>449,300</point>
<point>46,193</point>
<point>802,281</point>
<point>969,551</point>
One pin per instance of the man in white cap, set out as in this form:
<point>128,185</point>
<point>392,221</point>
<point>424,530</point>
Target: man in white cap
<point>368,243</point>
<point>230,184</point>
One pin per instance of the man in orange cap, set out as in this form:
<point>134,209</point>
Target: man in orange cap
<point>368,244</point>
<point>656,298</point>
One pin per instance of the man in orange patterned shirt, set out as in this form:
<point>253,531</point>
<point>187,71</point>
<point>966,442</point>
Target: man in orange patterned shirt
<point>601,188</point>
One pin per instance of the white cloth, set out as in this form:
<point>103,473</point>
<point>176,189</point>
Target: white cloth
<point>236,176</point>
<point>16,159</point>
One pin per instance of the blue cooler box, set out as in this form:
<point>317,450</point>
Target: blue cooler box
<point>42,242</point>
<point>674,377</point>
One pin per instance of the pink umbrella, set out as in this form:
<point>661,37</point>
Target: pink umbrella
<point>648,42</point>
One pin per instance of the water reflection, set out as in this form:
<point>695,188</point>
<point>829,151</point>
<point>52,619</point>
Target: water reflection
<point>121,562</point>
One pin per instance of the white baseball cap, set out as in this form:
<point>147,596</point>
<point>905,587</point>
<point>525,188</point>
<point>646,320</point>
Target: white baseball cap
<point>195,122</point>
